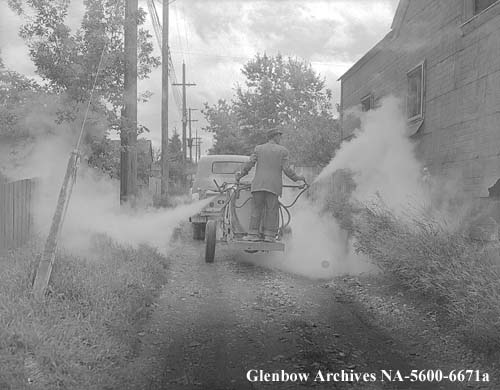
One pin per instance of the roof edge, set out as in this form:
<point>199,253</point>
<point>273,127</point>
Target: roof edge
<point>397,21</point>
<point>368,55</point>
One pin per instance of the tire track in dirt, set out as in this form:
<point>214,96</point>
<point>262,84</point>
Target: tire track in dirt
<point>215,322</point>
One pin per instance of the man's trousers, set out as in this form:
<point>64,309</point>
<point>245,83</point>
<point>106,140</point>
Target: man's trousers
<point>265,213</point>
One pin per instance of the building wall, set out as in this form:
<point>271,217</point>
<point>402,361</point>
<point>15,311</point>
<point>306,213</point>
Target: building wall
<point>460,136</point>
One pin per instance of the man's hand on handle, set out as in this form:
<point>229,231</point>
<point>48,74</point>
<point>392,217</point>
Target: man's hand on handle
<point>301,178</point>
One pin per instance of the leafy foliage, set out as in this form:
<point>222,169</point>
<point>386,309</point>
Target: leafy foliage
<point>176,171</point>
<point>69,62</point>
<point>15,91</point>
<point>225,126</point>
<point>277,92</point>
<point>105,156</point>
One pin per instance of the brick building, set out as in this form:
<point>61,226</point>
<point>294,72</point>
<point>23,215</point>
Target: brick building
<point>443,58</point>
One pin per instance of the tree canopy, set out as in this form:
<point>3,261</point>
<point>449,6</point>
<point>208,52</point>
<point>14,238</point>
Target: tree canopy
<point>277,92</point>
<point>69,62</point>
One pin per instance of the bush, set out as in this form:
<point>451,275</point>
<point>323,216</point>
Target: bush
<point>428,255</point>
<point>87,325</point>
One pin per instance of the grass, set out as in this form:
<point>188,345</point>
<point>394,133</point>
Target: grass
<point>426,254</point>
<point>87,327</point>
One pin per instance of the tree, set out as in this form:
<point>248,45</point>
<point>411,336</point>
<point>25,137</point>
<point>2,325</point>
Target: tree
<point>277,92</point>
<point>16,93</point>
<point>176,169</point>
<point>225,126</point>
<point>69,62</point>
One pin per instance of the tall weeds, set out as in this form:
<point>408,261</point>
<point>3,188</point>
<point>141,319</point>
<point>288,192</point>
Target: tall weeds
<point>429,255</point>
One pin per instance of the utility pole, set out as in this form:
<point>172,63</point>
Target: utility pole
<point>184,115</point>
<point>198,147</point>
<point>128,134</point>
<point>190,139</point>
<point>164,106</point>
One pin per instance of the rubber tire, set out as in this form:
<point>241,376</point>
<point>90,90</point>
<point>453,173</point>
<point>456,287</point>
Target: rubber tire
<point>198,230</point>
<point>210,240</point>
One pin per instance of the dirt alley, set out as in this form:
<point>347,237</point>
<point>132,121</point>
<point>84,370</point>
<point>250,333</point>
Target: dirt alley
<point>215,322</point>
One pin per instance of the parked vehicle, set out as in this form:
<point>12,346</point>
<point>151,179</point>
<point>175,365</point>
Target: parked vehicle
<point>220,168</point>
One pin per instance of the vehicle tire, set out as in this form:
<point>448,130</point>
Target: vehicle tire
<point>198,230</point>
<point>210,240</point>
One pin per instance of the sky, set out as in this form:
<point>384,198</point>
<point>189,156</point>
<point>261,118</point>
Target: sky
<point>215,38</point>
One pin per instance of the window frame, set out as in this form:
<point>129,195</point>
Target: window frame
<point>474,7</point>
<point>371,100</point>
<point>421,113</point>
<point>214,163</point>
<point>469,10</point>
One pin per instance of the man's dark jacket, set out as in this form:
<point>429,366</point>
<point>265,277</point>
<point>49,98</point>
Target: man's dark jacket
<point>271,160</point>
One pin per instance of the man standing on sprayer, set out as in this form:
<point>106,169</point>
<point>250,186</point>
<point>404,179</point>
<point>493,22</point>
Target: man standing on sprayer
<point>271,159</point>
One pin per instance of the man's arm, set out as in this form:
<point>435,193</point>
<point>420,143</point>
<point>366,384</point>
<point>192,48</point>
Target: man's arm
<point>285,163</point>
<point>248,165</point>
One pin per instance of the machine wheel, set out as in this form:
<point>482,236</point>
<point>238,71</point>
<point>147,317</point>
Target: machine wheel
<point>210,239</point>
<point>199,231</point>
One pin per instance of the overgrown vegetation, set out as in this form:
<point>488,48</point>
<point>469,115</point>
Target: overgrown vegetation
<point>88,325</point>
<point>428,255</point>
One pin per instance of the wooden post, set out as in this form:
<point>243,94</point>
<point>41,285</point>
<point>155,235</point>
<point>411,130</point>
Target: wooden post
<point>128,154</point>
<point>190,139</point>
<point>164,107</point>
<point>46,262</point>
<point>184,120</point>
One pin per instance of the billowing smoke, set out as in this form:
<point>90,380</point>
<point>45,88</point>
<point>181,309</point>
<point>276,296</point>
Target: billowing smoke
<point>382,159</point>
<point>94,205</point>
<point>94,208</point>
<point>384,166</point>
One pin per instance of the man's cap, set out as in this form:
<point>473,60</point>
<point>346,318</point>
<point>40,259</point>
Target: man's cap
<point>273,132</point>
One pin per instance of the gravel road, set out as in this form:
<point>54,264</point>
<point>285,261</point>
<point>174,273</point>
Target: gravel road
<point>213,323</point>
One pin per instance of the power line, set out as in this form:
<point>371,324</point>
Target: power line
<point>185,31</point>
<point>179,33</point>
<point>171,70</point>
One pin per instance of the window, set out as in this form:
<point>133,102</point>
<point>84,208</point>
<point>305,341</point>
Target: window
<point>367,103</point>
<point>415,99</point>
<point>226,167</point>
<point>481,5</point>
<point>478,12</point>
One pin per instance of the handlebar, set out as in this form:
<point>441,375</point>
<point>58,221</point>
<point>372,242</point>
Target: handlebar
<point>300,187</point>
<point>226,186</point>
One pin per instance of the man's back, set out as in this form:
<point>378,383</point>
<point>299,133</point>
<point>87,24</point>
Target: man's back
<point>270,160</point>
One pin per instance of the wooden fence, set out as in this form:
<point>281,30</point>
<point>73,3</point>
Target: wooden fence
<point>16,212</point>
